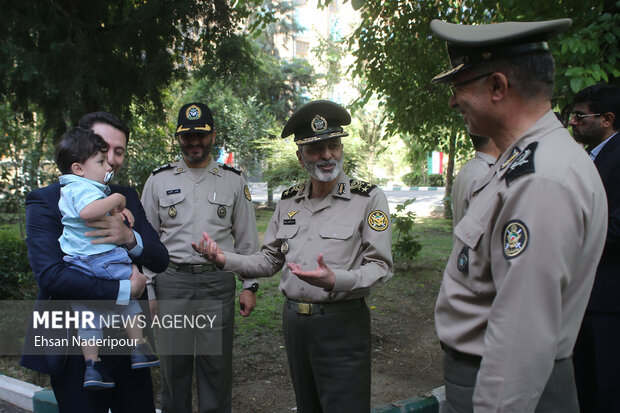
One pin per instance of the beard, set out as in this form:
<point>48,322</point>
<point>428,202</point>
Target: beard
<point>315,171</point>
<point>193,158</point>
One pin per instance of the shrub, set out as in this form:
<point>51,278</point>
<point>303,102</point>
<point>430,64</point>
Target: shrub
<point>16,280</point>
<point>406,245</point>
<point>435,180</point>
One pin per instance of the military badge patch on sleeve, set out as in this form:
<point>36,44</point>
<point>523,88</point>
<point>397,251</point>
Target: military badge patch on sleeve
<point>515,238</point>
<point>246,191</point>
<point>378,220</point>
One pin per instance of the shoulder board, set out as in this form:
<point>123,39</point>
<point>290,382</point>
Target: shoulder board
<point>293,190</point>
<point>523,164</point>
<point>230,168</point>
<point>361,187</point>
<point>161,168</point>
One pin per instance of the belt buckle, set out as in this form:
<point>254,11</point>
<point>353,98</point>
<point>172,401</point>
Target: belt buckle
<point>304,308</point>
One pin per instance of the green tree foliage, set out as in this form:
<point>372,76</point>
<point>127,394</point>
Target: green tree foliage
<point>68,57</point>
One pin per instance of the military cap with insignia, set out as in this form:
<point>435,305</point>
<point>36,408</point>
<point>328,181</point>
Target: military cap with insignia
<point>469,45</point>
<point>194,118</point>
<point>316,121</point>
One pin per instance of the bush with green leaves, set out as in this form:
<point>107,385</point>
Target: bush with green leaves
<point>16,280</point>
<point>406,246</point>
<point>436,180</point>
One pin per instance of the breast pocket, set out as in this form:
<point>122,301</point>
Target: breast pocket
<point>220,209</point>
<point>467,264</point>
<point>170,209</point>
<point>287,236</point>
<point>339,242</point>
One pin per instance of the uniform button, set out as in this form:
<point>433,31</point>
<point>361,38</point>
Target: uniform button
<point>309,239</point>
<point>303,263</point>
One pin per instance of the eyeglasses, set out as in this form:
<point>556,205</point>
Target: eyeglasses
<point>578,117</point>
<point>453,86</point>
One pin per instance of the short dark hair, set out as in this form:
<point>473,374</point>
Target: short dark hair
<point>531,74</point>
<point>77,145</point>
<point>87,121</point>
<point>601,98</point>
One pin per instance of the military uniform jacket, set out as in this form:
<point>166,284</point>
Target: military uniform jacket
<point>475,169</point>
<point>350,227</point>
<point>518,280</point>
<point>181,207</point>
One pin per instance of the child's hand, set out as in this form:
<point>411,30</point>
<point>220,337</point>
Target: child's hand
<point>128,216</point>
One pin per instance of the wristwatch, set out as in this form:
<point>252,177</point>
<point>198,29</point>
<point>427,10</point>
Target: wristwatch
<point>253,288</point>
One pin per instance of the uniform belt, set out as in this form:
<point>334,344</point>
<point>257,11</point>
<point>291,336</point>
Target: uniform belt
<point>192,268</point>
<point>322,308</point>
<point>459,356</point>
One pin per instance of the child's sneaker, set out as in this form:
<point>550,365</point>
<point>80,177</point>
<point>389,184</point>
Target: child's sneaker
<point>96,377</point>
<point>143,357</point>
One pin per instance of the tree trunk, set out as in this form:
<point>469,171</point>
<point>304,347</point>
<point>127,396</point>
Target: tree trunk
<point>447,200</point>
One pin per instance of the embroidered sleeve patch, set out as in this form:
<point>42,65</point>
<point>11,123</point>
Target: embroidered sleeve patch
<point>378,220</point>
<point>515,238</point>
<point>246,191</point>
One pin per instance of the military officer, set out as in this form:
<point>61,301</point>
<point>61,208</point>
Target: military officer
<point>333,233</point>
<point>181,200</point>
<point>518,280</point>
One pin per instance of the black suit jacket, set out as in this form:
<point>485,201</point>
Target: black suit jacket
<point>607,282</point>
<point>58,282</point>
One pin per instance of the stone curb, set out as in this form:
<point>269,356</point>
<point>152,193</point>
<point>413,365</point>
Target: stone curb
<point>39,400</point>
<point>28,396</point>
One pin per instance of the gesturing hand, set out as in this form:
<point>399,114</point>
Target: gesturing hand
<point>322,277</point>
<point>209,249</point>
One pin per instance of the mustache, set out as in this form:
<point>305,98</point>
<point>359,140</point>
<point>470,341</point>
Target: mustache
<point>331,162</point>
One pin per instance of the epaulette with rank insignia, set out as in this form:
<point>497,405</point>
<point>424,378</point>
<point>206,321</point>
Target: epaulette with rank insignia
<point>523,164</point>
<point>293,190</point>
<point>361,187</point>
<point>230,168</point>
<point>161,168</point>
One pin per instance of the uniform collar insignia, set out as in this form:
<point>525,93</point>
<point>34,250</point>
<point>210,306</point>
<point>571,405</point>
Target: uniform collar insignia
<point>522,164</point>
<point>515,151</point>
<point>341,188</point>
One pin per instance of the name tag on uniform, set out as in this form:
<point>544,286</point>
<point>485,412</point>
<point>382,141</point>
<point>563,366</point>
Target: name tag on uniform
<point>173,191</point>
<point>289,222</point>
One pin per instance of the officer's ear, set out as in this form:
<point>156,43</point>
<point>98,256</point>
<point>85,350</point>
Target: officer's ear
<point>298,153</point>
<point>213,137</point>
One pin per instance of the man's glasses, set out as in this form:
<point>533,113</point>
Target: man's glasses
<point>453,86</point>
<point>578,117</point>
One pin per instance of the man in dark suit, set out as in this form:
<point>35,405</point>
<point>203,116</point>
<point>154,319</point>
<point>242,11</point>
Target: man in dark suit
<point>595,121</point>
<point>133,391</point>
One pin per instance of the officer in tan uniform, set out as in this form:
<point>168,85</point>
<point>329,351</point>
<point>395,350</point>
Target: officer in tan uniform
<point>331,237</point>
<point>475,169</point>
<point>181,200</point>
<point>518,280</point>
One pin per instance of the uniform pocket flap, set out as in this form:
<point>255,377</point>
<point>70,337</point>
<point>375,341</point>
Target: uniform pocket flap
<point>469,231</point>
<point>217,198</point>
<point>287,231</point>
<point>171,200</point>
<point>336,231</point>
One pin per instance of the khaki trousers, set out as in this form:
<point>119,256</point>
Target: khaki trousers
<point>213,372</point>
